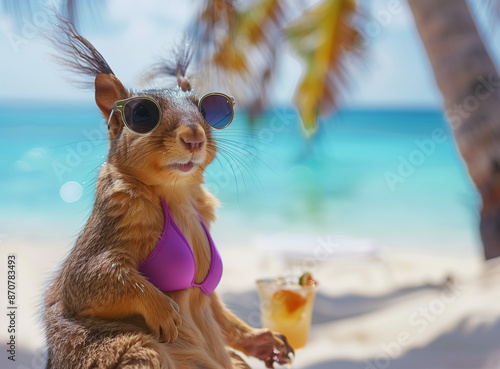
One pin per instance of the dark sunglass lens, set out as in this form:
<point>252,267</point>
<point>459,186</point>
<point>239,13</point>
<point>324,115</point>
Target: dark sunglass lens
<point>142,115</point>
<point>217,110</point>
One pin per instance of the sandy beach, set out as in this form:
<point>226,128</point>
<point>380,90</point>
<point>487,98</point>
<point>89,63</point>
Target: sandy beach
<point>404,309</point>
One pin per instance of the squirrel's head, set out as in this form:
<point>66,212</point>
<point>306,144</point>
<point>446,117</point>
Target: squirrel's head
<point>158,136</point>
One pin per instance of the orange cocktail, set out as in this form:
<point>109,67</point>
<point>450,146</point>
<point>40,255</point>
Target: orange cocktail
<point>286,308</point>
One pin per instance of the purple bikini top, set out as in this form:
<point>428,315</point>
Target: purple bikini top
<point>171,265</point>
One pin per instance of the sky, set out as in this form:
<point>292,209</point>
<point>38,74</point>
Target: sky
<point>394,71</point>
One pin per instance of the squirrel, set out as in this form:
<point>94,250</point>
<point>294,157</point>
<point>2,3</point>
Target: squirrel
<point>99,310</point>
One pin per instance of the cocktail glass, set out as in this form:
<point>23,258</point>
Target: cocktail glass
<point>286,308</point>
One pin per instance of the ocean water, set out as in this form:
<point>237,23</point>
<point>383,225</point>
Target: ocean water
<point>390,176</point>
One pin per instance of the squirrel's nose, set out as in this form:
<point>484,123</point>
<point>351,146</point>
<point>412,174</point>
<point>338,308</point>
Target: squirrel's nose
<point>191,137</point>
<point>192,143</point>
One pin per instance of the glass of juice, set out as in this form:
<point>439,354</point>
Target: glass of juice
<point>286,306</point>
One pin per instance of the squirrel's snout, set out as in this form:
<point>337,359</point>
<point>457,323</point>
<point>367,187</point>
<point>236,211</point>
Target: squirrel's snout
<point>192,141</point>
<point>193,144</point>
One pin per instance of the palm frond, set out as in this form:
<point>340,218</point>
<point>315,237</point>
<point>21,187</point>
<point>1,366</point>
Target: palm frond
<point>214,26</point>
<point>256,22</point>
<point>323,37</point>
<point>72,10</point>
<point>494,6</point>
<point>16,9</point>
<point>237,49</point>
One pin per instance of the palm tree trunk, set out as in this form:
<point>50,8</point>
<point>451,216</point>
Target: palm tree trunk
<point>470,86</point>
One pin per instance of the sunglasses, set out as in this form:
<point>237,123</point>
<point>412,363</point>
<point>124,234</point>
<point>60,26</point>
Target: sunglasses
<point>142,114</point>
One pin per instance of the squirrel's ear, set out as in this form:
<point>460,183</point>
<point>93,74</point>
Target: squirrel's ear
<point>183,83</point>
<point>108,90</point>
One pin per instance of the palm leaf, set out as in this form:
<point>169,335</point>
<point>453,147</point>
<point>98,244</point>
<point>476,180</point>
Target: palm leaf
<point>255,22</point>
<point>323,37</point>
<point>72,10</point>
<point>238,48</point>
<point>495,6</point>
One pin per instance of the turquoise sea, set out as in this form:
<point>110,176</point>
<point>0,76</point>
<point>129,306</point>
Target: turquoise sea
<point>390,176</point>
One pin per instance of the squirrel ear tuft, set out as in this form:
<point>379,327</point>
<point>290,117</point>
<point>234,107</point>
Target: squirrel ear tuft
<point>183,83</point>
<point>108,90</point>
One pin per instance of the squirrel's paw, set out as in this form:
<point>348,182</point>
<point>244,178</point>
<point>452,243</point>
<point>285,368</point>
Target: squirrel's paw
<point>268,347</point>
<point>163,326</point>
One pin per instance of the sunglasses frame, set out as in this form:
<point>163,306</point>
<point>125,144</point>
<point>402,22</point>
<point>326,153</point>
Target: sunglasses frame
<point>120,106</point>
<point>229,98</point>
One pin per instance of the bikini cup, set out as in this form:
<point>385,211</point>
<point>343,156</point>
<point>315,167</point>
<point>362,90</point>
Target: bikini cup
<point>171,265</point>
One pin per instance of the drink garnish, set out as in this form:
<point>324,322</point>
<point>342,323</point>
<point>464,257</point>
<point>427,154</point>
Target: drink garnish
<point>306,279</point>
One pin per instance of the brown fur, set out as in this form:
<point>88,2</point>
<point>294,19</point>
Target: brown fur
<point>100,312</point>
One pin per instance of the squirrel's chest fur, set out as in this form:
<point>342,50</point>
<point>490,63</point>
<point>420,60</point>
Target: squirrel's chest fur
<point>124,228</point>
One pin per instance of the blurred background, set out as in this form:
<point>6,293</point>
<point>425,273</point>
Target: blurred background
<point>381,176</point>
<point>343,181</point>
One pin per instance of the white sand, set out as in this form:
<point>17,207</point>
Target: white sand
<point>401,310</point>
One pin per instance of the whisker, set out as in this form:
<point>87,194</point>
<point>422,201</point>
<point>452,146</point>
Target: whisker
<point>245,165</point>
<point>262,141</point>
<point>240,146</point>
<point>238,159</point>
<point>213,154</point>
<point>197,178</point>
<point>234,174</point>
<point>149,149</point>
<point>73,143</point>
<point>227,146</point>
